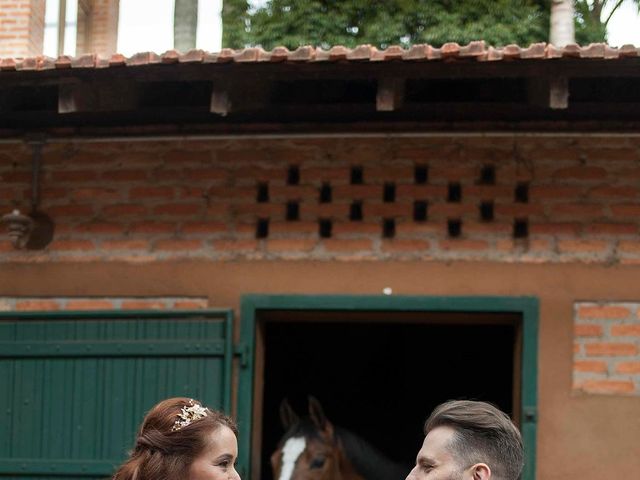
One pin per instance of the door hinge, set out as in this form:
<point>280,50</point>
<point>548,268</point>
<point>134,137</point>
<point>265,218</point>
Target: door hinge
<point>241,350</point>
<point>530,414</point>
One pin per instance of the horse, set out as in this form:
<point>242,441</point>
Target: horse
<point>312,448</point>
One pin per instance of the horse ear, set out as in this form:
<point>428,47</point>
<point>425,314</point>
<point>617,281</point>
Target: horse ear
<point>287,416</point>
<point>317,415</point>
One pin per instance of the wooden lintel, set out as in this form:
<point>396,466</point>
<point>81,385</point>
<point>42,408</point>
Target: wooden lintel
<point>390,94</point>
<point>76,97</point>
<point>550,93</point>
<point>220,101</point>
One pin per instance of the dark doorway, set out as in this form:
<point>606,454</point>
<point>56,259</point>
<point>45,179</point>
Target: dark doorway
<point>380,374</point>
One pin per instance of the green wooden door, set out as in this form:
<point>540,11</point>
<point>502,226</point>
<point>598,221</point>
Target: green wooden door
<point>75,386</point>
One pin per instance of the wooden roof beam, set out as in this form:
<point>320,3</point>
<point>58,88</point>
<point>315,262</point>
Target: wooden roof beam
<point>390,95</point>
<point>549,92</point>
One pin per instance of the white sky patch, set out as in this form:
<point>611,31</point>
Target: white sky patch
<point>292,449</point>
<point>624,26</point>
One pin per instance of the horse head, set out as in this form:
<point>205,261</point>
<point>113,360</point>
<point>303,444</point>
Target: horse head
<point>310,448</point>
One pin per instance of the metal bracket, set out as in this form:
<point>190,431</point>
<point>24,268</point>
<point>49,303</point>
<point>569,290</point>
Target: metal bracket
<point>241,350</point>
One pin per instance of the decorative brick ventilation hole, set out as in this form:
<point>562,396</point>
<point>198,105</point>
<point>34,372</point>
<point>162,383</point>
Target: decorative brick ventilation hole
<point>420,213</point>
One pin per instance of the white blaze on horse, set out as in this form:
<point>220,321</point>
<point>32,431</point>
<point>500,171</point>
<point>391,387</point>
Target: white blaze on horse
<point>314,449</point>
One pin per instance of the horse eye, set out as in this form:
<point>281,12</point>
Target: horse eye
<point>317,462</point>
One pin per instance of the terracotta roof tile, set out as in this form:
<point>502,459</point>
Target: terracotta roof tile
<point>474,51</point>
<point>192,56</point>
<point>170,56</point>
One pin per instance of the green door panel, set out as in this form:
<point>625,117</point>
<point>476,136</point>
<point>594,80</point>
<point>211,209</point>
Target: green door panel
<point>75,386</point>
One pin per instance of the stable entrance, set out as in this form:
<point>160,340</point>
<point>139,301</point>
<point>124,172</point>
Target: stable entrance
<point>380,371</point>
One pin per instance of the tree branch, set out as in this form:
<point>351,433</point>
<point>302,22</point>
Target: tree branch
<point>606,22</point>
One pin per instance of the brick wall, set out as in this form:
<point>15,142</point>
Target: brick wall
<point>21,27</point>
<point>24,304</point>
<point>607,348</point>
<point>541,200</point>
<point>98,27</point>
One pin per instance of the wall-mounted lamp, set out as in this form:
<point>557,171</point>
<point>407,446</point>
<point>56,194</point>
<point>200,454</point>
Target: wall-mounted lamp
<point>33,231</point>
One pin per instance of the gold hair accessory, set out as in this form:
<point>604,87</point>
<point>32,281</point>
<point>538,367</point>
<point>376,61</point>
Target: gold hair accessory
<point>189,414</point>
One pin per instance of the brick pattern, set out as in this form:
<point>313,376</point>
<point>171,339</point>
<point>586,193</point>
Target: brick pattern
<point>98,27</point>
<point>21,28</point>
<point>540,200</point>
<point>49,304</point>
<point>606,356</point>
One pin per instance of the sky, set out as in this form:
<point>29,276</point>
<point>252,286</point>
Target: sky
<point>147,26</point>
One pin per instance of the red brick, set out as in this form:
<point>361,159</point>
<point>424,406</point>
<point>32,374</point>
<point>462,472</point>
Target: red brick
<point>387,209</point>
<point>488,192</point>
<point>143,305</point>
<point>580,173</point>
<point>239,245</point>
<point>554,228</point>
<point>204,227</point>
<point>453,174</point>
<point>317,175</point>
<point>232,192</point>
<point>357,192</point>
<point>178,209</point>
<point>206,174</point>
<point>151,192</point>
<point>187,156</point>
<point>612,154</point>
<point>611,229</point>
<point>607,386</point>
<point>463,244</point>
<point>606,312</point>
<point>191,304</point>
<point>452,210</point>
<point>178,245</point>
<point>628,246</point>
<point>625,330</point>
<point>577,210</point>
<point>125,245</point>
<point>552,154</point>
<point>122,210</point>
<point>37,305</point>
<point>261,209</point>
<point>70,211</point>
<point>388,173</point>
<point>626,210</point>
<point>405,246</point>
<point>103,228</point>
<point>16,177</point>
<point>290,245</point>
<point>89,304</point>
<point>292,227</point>
<point>153,227</point>
<point>356,228</point>
<point>418,228</point>
<point>324,210</point>
<point>95,193</point>
<point>261,174</point>
<point>292,192</point>
<point>553,191</point>
<point>421,191</point>
<point>628,367</point>
<point>582,246</point>
<point>611,191</point>
<point>611,349</point>
<point>590,366</point>
<point>125,175</point>
<point>517,209</point>
<point>487,228</point>
<point>577,348</point>
<point>74,176</point>
<point>346,245</point>
<point>71,245</point>
<point>587,330</point>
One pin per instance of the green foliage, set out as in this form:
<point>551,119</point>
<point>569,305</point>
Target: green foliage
<point>591,21</point>
<point>234,23</point>
<point>387,22</point>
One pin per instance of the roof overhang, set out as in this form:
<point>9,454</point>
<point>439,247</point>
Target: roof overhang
<point>248,92</point>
